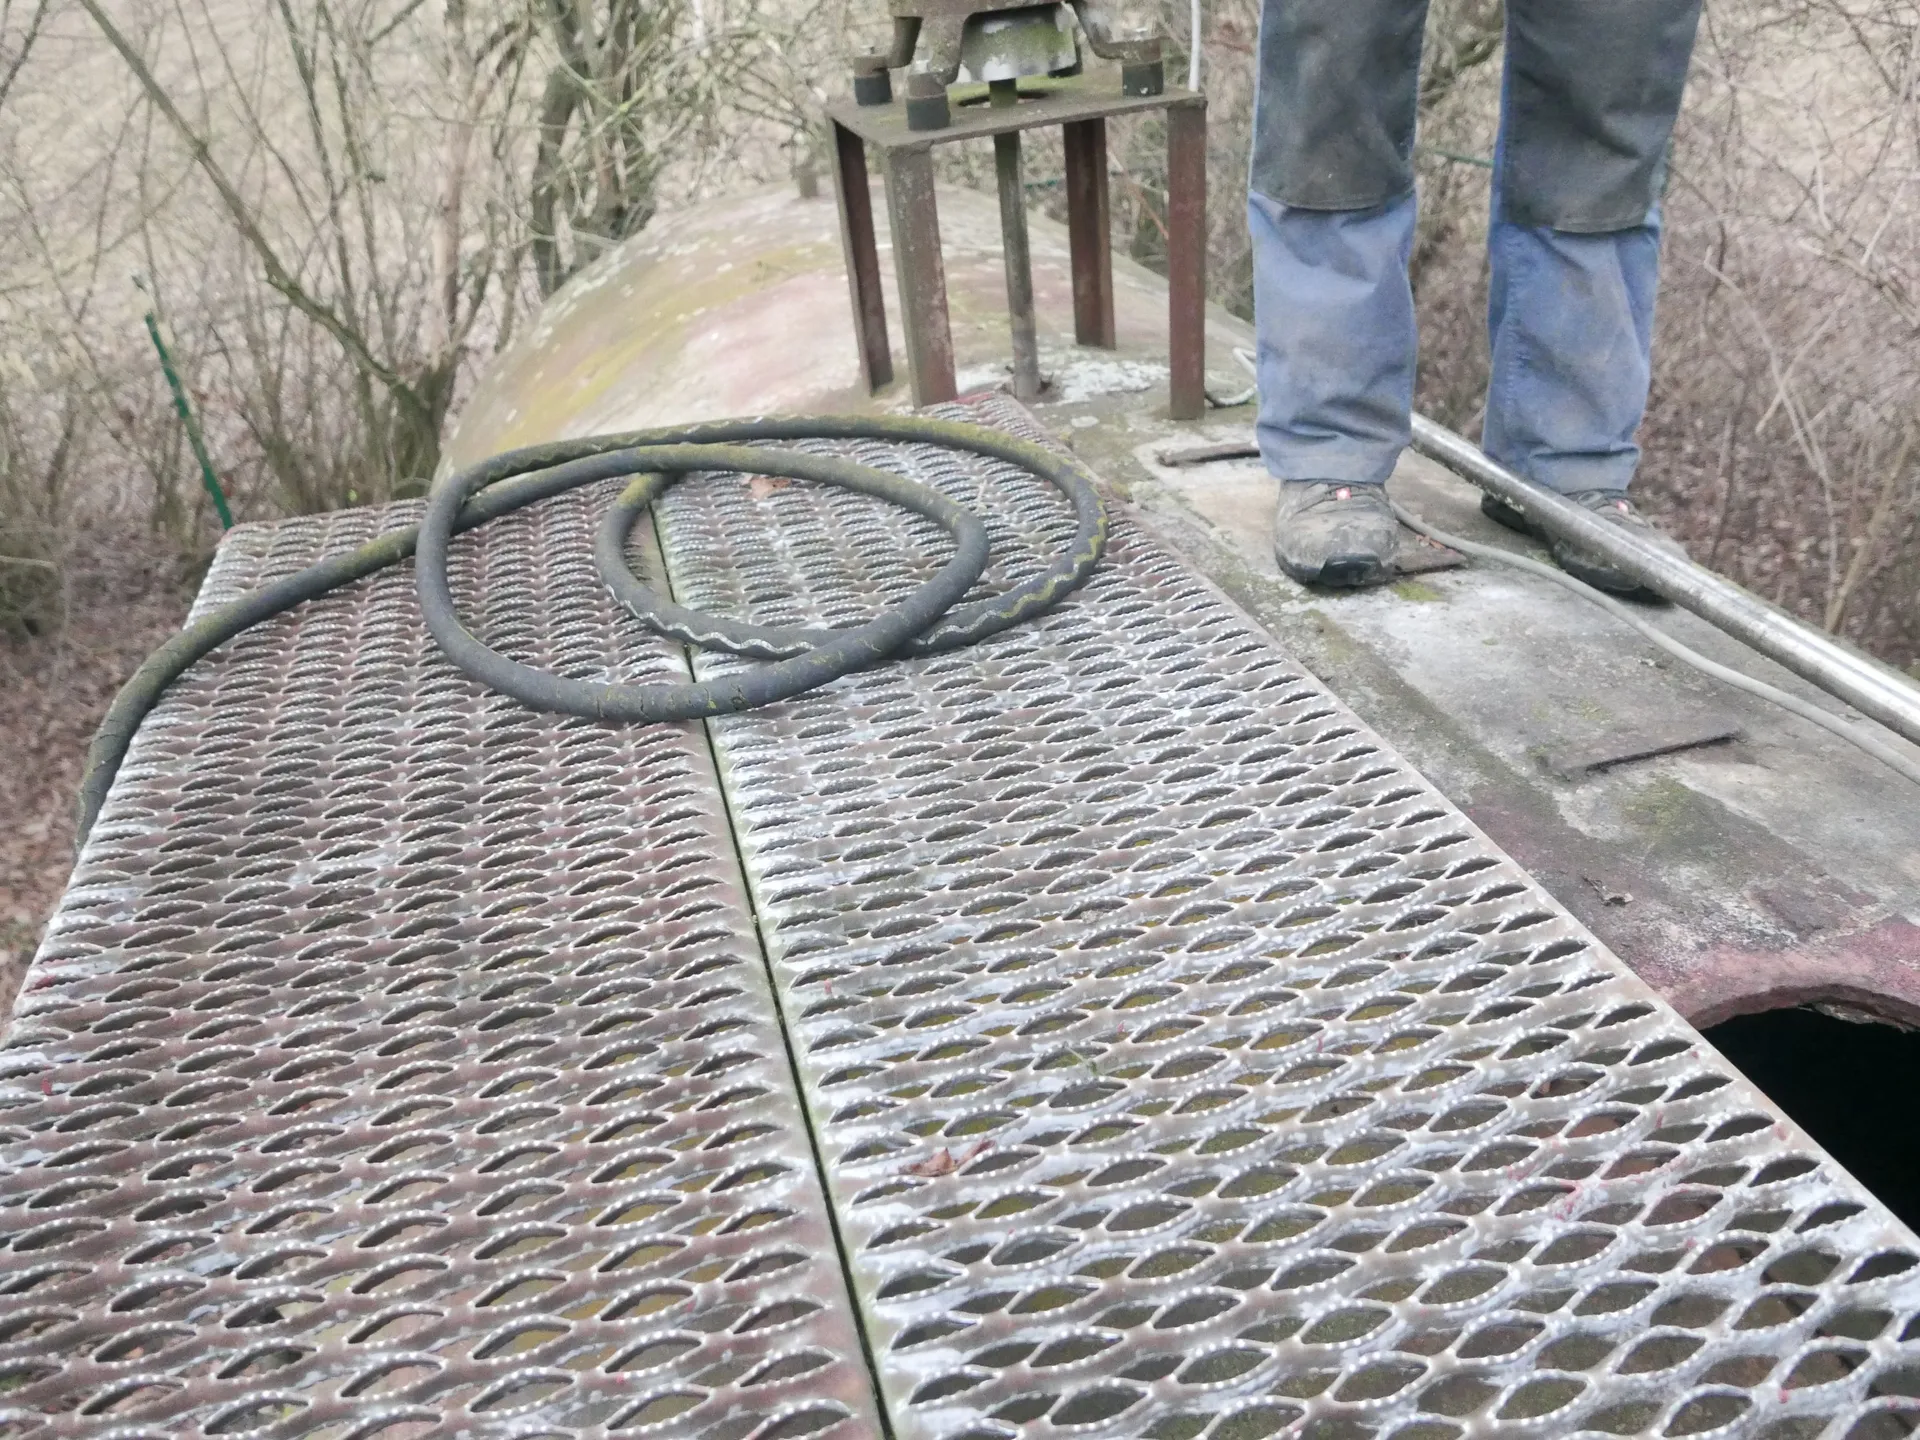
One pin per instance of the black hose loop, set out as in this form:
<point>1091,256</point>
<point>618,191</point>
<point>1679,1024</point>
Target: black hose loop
<point>836,653</point>
<point>925,623</point>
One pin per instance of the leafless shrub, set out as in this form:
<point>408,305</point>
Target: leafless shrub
<point>339,209</point>
<point>35,457</point>
<point>36,467</point>
<point>338,262</point>
<point>1783,431</point>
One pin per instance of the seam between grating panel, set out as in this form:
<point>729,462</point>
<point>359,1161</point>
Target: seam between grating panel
<point>748,884</point>
<point>1590,1199</point>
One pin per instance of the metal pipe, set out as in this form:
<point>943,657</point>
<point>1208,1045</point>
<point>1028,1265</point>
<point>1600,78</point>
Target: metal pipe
<point>1187,261</point>
<point>1193,46</point>
<point>184,408</point>
<point>1015,250</point>
<point>1871,688</point>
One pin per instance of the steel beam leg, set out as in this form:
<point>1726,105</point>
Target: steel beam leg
<point>1187,261</point>
<point>921,274</point>
<point>1089,232</point>
<point>1019,264</point>
<point>863,258</point>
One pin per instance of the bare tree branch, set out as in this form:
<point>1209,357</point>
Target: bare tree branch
<point>10,66</point>
<point>277,274</point>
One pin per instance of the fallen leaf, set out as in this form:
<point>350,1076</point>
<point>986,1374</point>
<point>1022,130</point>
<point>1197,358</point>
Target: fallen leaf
<point>1608,895</point>
<point>941,1162</point>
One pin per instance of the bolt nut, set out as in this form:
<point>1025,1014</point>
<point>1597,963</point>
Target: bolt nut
<point>1146,78</point>
<point>871,83</point>
<point>927,107</point>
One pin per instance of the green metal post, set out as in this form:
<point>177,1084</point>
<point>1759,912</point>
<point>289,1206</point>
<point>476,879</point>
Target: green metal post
<point>194,437</point>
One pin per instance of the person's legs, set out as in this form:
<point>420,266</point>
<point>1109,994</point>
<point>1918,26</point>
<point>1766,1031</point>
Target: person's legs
<point>1330,210</point>
<point>1589,96</point>
<point>1574,239</point>
<point>1570,318</point>
<point>1333,318</point>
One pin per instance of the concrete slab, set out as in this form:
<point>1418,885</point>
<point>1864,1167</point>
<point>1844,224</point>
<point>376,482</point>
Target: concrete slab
<point>1736,855</point>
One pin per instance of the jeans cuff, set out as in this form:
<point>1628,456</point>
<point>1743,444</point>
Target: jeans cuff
<point>1333,461</point>
<point>1569,474</point>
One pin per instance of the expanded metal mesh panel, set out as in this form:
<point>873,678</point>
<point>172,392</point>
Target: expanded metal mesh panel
<point>401,1061</point>
<point>1184,1065</point>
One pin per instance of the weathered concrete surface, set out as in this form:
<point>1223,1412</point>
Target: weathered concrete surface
<point>1778,866</point>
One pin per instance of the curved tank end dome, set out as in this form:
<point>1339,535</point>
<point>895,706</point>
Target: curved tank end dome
<point>739,306</point>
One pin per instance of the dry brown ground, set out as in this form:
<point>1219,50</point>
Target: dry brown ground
<point>123,598</point>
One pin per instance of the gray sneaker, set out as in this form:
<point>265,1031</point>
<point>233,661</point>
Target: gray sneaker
<point>1330,533</point>
<point>1610,505</point>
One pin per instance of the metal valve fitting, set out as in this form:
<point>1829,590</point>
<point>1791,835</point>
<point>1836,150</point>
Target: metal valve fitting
<point>872,85</point>
<point>927,107</point>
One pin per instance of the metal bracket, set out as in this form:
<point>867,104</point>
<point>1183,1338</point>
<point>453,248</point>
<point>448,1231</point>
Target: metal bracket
<point>1081,111</point>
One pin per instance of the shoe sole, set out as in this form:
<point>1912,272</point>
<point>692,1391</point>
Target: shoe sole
<point>1611,581</point>
<point>1345,572</point>
<point>1514,519</point>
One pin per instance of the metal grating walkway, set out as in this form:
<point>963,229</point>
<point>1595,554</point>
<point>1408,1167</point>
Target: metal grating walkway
<point>401,1062</point>
<point>1179,1064</point>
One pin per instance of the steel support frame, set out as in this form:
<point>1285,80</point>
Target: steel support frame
<point>855,198</point>
<point>1187,262</point>
<point>906,162</point>
<point>920,272</point>
<point>1089,232</point>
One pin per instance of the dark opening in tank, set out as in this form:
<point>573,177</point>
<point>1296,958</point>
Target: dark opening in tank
<point>1851,1086</point>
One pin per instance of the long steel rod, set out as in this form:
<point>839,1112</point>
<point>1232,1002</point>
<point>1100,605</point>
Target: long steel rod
<point>1870,687</point>
<point>1187,261</point>
<point>1015,250</point>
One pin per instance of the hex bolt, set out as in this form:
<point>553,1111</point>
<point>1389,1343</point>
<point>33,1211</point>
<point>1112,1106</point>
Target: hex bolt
<point>927,107</point>
<point>1146,74</point>
<point>872,85</point>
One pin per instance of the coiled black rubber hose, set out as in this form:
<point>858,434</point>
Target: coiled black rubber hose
<point>924,623</point>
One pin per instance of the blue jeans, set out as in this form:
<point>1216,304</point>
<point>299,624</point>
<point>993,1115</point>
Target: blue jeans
<point>1574,239</point>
